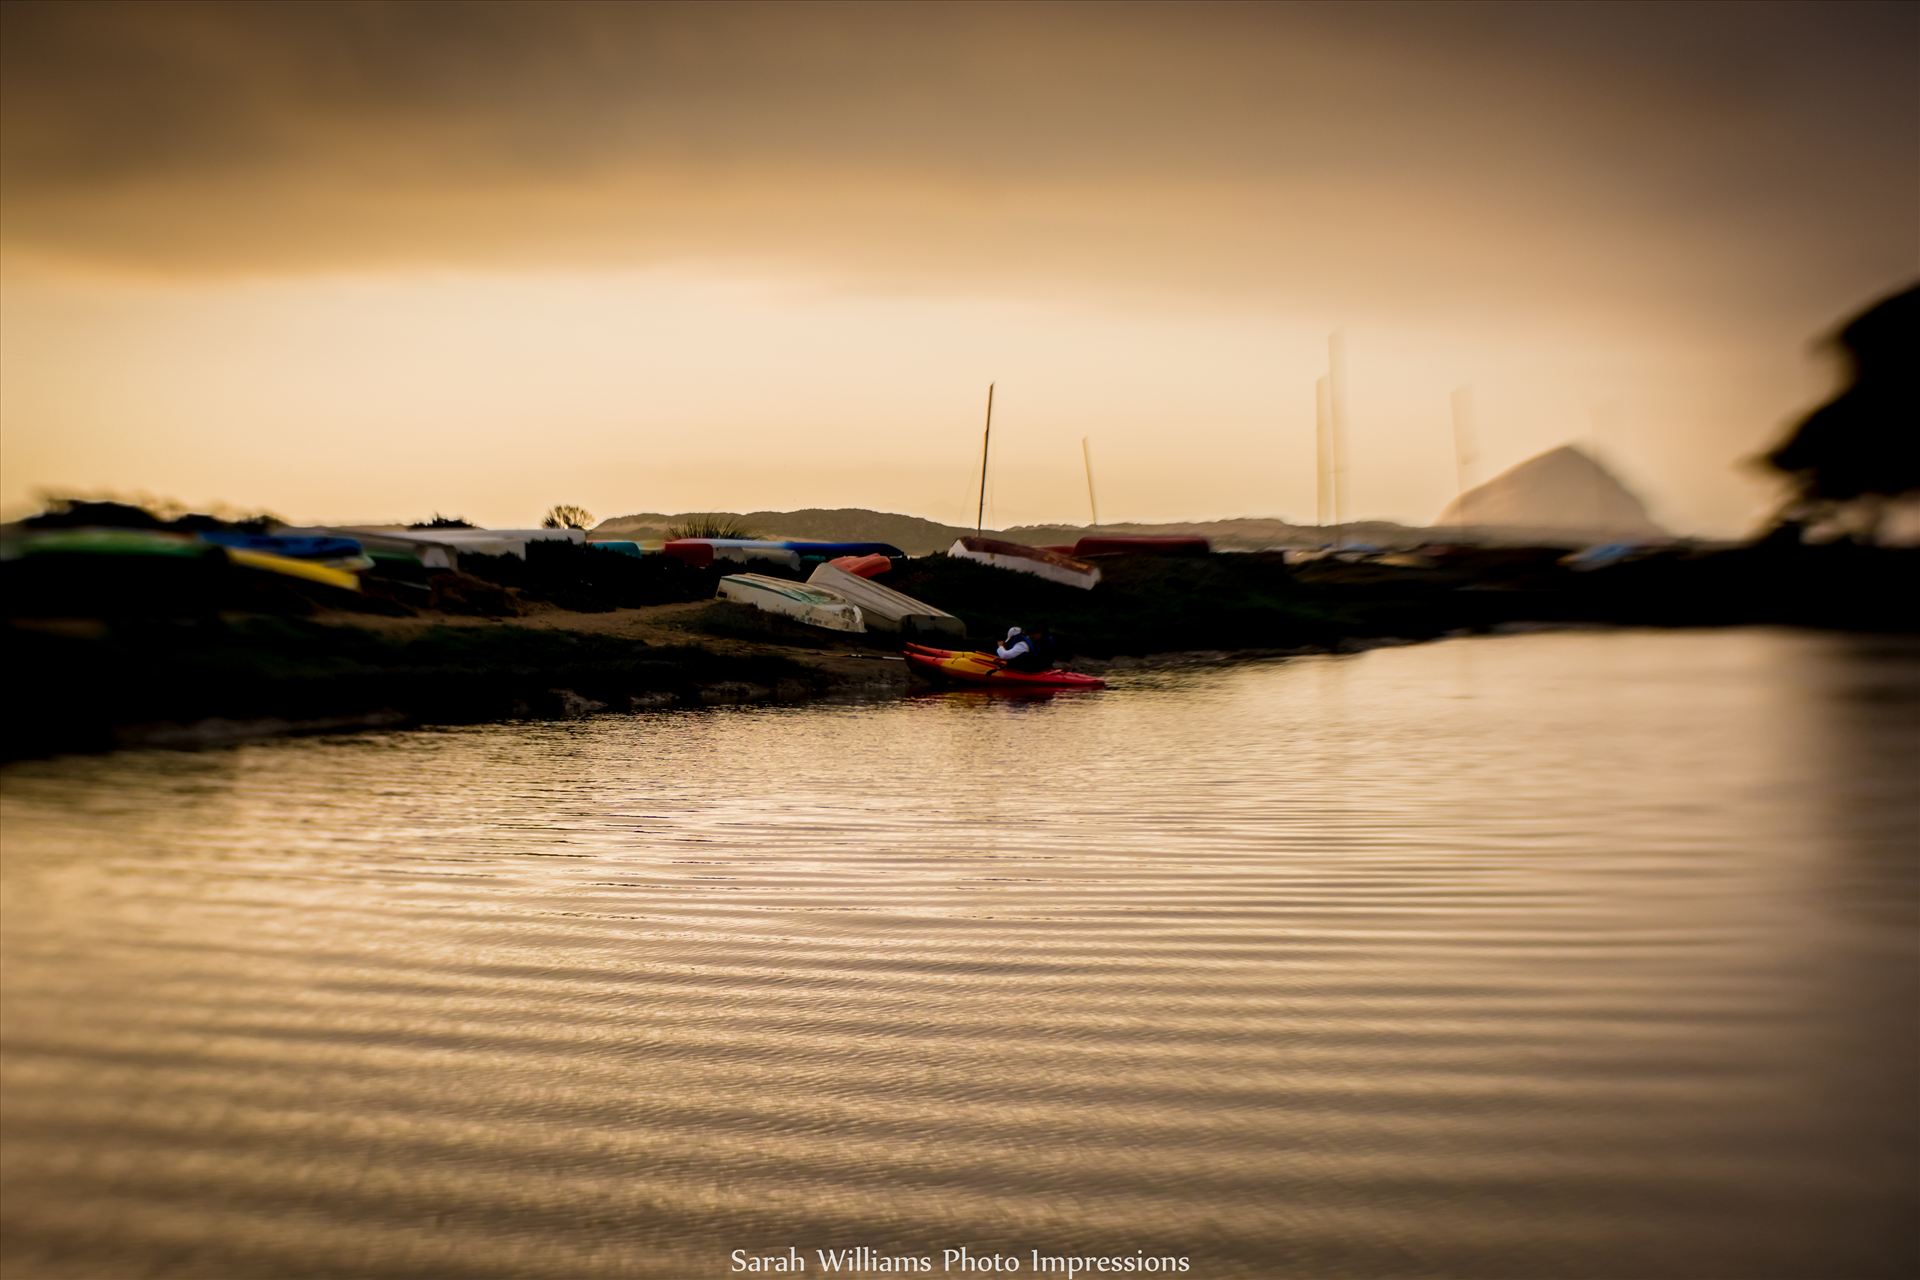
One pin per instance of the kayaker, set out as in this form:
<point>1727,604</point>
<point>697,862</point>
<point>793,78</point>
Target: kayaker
<point>1023,651</point>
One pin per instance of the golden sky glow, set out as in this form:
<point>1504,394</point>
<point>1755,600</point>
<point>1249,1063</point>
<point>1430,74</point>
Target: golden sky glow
<point>364,262</point>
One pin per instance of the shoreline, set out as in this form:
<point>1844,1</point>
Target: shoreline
<point>892,679</point>
<point>177,677</point>
<point>839,678</point>
<point>713,675</point>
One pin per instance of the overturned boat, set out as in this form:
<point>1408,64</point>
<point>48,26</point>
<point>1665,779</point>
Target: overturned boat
<point>885,609</point>
<point>1038,561</point>
<point>314,571</point>
<point>864,566</point>
<point>815,606</point>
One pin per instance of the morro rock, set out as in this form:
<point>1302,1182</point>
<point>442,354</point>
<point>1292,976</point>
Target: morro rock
<point>1564,494</point>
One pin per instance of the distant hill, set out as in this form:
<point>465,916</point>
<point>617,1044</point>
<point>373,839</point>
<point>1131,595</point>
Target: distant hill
<point>1243,533</point>
<point>919,537</point>
<point>1563,495</point>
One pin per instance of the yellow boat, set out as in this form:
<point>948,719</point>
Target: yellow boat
<point>292,568</point>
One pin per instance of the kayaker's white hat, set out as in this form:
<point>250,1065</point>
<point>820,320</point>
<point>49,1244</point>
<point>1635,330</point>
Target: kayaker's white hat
<point>1011,633</point>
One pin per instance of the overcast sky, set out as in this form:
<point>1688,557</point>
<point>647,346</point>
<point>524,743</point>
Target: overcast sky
<point>365,261</point>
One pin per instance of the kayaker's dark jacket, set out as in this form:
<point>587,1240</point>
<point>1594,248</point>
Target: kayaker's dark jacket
<point>1038,657</point>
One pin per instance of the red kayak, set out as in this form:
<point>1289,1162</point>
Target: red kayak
<point>985,669</point>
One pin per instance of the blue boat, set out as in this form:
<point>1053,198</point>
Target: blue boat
<point>292,546</point>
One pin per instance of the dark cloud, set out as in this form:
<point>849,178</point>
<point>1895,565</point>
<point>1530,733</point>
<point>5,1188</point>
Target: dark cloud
<point>1624,152</point>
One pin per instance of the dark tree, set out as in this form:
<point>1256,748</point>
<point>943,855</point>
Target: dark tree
<point>566,516</point>
<point>1863,446</point>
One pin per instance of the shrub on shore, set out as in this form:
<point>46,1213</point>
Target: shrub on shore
<point>710,526</point>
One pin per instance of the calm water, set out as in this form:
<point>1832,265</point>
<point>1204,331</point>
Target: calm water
<point>1555,955</point>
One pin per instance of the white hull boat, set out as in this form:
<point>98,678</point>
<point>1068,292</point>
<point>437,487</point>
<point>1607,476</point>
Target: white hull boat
<point>815,606</point>
<point>1037,561</point>
<point>884,608</point>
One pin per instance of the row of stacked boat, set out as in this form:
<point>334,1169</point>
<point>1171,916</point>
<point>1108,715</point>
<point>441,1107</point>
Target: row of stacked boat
<point>840,594</point>
<point>317,558</point>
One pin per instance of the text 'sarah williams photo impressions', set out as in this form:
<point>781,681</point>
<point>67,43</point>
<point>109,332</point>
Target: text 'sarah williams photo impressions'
<point>1207,640</point>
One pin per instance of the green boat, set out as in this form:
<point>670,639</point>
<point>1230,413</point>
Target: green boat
<point>111,542</point>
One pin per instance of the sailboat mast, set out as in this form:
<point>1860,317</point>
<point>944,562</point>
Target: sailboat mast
<point>1093,507</point>
<point>1321,426</point>
<point>986,440</point>
<point>1337,406</point>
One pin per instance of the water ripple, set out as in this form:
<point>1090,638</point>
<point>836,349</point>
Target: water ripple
<point>1568,955</point>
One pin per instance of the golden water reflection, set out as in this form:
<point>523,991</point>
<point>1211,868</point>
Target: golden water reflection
<point>1555,955</point>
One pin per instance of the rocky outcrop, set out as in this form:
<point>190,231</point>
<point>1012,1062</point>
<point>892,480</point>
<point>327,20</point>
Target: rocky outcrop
<point>1563,494</point>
